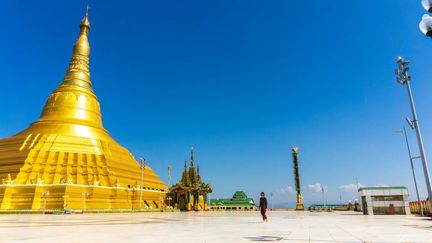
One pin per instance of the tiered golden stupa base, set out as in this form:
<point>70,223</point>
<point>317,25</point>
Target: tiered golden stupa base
<point>77,197</point>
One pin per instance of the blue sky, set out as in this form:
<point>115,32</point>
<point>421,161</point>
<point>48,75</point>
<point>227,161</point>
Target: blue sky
<point>241,81</point>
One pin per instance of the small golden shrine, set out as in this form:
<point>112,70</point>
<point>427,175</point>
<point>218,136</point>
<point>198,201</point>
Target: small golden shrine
<point>191,192</point>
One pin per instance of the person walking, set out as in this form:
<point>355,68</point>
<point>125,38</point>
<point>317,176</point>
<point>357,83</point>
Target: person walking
<point>263,206</point>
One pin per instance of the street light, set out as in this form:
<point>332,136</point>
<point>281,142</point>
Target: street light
<point>162,203</point>
<point>208,201</point>
<point>271,201</point>
<point>65,197</point>
<point>143,165</point>
<point>412,168</point>
<point>426,25</point>
<point>404,78</point>
<point>84,195</point>
<point>169,175</point>
<point>133,197</point>
<point>45,195</point>
<point>169,198</point>
<point>324,197</point>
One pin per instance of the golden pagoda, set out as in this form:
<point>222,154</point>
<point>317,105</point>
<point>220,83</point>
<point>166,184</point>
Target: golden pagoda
<point>66,159</point>
<point>190,193</point>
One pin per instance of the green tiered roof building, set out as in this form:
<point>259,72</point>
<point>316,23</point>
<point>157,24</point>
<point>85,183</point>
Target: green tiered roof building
<point>239,201</point>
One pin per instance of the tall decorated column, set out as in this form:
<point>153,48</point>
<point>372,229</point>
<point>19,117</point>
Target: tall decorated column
<point>299,205</point>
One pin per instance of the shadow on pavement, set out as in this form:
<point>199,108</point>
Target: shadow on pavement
<point>277,238</point>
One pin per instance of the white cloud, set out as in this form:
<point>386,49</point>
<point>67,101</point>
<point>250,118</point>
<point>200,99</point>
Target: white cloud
<point>382,185</point>
<point>287,189</point>
<point>350,187</point>
<point>317,187</point>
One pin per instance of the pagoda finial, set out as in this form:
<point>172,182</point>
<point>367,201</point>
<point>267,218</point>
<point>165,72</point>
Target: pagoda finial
<point>74,99</point>
<point>85,21</point>
<point>185,180</point>
<point>192,157</point>
<point>87,9</point>
<point>78,72</point>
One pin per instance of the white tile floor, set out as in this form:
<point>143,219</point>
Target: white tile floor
<point>215,227</point>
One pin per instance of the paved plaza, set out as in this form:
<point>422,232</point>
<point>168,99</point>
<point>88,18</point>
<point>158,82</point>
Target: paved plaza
<point>283,226</point>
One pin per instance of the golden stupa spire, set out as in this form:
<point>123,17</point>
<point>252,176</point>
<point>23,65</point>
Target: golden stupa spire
<point>78,71</point>
<point>74,100</point>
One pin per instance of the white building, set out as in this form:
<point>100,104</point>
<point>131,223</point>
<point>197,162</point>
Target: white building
<point>384,200</point>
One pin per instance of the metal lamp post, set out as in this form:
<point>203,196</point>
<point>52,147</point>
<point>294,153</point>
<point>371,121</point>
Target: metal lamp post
<point>169,175</point>
<point>45,195</point>
<point>84,195</point>
<point>404,79</point>
<point>324,197</point>
<point>412,168</point>
<point>65,205</point>
<point>271,201</point>
<point>133,197</point>
<point>169,198</point>
<point>209,201</point>
<point>143,164</point>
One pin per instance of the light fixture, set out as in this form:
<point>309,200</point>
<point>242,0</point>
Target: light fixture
<point>427,4</point>
<point>426,25</point>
